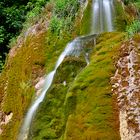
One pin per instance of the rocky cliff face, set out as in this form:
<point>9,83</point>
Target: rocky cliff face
<point>126,87</point>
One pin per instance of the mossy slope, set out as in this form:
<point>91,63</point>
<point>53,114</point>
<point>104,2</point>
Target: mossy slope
<point>84,109</point>
<point>92,113</point>
<point>50,119</point>
<point>18,80</point>
<point>33,59</point>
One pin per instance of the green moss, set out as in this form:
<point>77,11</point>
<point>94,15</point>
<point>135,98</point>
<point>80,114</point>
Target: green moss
<point>55,45</point>
<point>82,109</point>
<point>19,75</point>
<point>33,59</point>
<point>120,19</point>
<point>31,62</point>
<point>50,119</point>
<point>89,101</point>
<point>86,20</point>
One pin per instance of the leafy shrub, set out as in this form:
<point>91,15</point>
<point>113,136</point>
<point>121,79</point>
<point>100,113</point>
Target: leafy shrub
<point>2,31</point>
<point>35,9</point>
<point>133,28</point>
<point>126,2</point>
<point>1,63</point>
<point>56,24</point>
<point>63,15</point>
<point>13,15</point>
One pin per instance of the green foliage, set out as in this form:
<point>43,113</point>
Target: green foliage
<point>63,15</point>
<point>2,33</point>
<point>13,15</point>
<point>1,63</point>
<point>133,28</point>
<point>36,9</point>
<point>121,17</point>
<point>66,7</point>
<point>126,16</point>
<point>56,24</point>
<point>126,2</point>
<point>137,4</point>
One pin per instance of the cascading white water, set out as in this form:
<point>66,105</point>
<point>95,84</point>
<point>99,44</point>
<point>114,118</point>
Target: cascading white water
<point>26,125</point>
<point>101,21</point>
<point>102,18</point>
<point>74,48</point>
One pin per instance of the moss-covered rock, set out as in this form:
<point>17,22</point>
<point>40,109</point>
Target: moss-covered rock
<point>80,104</point>
<point>17,82</point>
<point>51,113</point>
<point>89,102</point>
<point>34,54</point>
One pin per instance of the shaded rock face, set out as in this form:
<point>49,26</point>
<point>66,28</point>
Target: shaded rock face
<point>125,84</point>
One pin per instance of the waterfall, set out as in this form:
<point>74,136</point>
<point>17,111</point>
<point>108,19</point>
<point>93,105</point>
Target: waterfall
<point>101,21</point>
<point>102,16</point>
<point>74,48</point>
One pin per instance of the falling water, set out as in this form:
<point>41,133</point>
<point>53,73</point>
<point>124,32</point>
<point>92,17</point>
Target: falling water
<point>74,48</point>
<point>101,21</point>
<point>102,16</point>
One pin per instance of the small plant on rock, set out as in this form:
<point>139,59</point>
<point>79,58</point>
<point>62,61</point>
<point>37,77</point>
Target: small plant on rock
<point>133,28</point>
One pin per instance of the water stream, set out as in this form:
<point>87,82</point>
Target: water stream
<point>102,16</point>
<point>74,48</point>
<point>101,21</point>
